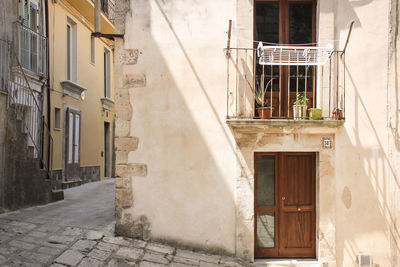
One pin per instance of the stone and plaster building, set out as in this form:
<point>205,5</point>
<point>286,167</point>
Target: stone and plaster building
<point>24,166</point>
<point>81,105</point>
<point>198,168</point>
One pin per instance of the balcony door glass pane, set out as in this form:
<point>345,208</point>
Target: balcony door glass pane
<point>267,22</point>
<point>300,22</point>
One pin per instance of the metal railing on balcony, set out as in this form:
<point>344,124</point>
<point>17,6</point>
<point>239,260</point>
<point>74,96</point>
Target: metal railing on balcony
<point>285,82</point>
<point>108,8</point>
<point>25,103</point>
<point>32,50</point>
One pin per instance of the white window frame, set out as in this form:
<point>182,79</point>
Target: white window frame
<point>68,52</point>
<point>71,55</point>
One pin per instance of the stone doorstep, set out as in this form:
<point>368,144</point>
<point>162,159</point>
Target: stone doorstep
<point>70,184</point>
<point>287,262</point>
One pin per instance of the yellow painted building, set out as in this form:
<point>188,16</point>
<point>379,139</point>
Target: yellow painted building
<point>81,92</point>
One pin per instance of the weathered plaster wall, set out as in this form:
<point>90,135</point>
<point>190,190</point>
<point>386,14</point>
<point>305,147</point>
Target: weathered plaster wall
<point>364,176</point>
<point>177,97</point>
<point>180,177</point>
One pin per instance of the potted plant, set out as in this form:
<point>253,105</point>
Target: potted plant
<point>264,108</point>
<point>337,114</point>
<point>300,107</point>
<point>314,113</point>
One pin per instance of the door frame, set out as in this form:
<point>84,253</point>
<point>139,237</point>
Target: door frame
<point>68,110</point>
<point>274,252</point>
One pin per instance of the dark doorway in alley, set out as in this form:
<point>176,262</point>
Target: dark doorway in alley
<point>107,142</point>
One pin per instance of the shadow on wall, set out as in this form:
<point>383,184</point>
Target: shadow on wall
<point>393,83</point>
<point>187,167</point>
<point>364,201</point>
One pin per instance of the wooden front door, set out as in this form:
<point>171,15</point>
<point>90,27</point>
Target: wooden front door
<point>72,144</point>
<point>285,205</point>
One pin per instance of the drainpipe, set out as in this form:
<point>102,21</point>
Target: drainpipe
<point>97,16</point>
<point>97,23</point>
<point>48,83</point>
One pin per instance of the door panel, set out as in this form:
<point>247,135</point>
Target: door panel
<point>285,227</point>
<point>72,145</point>
<point>265,204</point>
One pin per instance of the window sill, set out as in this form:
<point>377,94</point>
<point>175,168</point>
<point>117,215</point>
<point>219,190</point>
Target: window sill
<point>72,89</point>
<point>107,103</point>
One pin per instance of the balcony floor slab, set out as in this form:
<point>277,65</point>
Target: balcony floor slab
<point>284,125</point>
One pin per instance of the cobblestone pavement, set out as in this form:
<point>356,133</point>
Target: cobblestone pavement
<point>78,231</point>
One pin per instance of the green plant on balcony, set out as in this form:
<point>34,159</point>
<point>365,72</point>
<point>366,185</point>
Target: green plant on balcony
<point>264,108</point>
<point>300,107</point>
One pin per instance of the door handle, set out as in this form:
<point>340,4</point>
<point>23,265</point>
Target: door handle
<point>298,209</point>
<point>284,198</point>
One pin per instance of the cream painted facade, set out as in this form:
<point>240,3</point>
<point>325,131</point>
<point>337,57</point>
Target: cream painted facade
<point>80,90</point>
<point>185,174</point>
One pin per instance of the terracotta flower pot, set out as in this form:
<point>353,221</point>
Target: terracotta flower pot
<point>265,112</point>
<point>337,115</point>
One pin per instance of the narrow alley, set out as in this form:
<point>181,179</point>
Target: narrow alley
<point>79,231</point>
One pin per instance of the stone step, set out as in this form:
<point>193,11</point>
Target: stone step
<point>287,263</point>
<point>57,195</point>
<point>70,184</point>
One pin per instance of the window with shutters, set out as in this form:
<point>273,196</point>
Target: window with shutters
<point>32,41</point>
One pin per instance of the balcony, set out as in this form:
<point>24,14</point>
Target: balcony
<point>32,49</point>
<point>86,9</point>
<point>108,8</point>
<point>285,86</point>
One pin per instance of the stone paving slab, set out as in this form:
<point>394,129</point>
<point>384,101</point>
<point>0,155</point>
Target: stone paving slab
<point>38,245</point>
<point>44,236</point>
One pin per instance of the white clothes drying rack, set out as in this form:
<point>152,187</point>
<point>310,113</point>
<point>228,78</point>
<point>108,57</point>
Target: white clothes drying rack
<point>293,55</point>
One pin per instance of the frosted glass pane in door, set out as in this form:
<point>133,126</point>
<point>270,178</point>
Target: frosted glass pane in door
<point>266,230</point>
<point>70,137</point>
<point>265,180</point>
<point>77,130</point>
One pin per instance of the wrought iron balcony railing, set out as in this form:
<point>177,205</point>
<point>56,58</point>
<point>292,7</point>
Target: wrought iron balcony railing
<point>108,8</point>
<point>285,82</point>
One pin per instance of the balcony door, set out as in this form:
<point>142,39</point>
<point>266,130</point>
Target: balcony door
<point>284,205</point>
<point>285,22</point>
